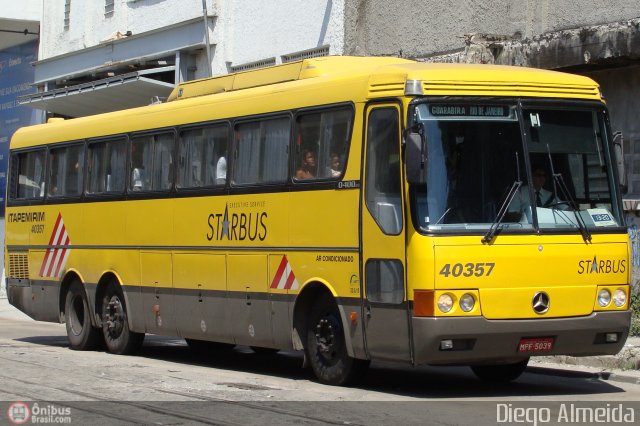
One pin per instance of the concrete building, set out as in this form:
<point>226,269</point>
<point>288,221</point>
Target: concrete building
<point>101,55</point>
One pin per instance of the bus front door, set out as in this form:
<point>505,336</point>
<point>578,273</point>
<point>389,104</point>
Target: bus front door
<point>384,302</point>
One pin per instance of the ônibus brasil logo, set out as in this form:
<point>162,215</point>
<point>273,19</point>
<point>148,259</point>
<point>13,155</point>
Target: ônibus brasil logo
<point>19,413</point>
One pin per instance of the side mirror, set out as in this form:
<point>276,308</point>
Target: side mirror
<point>618,148</point>
<point>416,157</point>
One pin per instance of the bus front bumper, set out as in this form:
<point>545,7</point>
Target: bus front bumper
<point>476,340</point>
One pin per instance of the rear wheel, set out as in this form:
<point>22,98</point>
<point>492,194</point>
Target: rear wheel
<point>115,326</point>
<point>77,317</point>
<point>326,348</point>
<point>500,373</point>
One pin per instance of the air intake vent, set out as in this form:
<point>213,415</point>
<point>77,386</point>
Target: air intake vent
<point>269,62</point>
<point>305,54</point>
<point>18,266</point>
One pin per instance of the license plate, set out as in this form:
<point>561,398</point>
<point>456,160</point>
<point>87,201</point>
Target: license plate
<point>537,344</point>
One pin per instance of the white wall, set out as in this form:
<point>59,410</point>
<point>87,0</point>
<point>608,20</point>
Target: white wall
<point>23,10</point>
<point>257,29</point>
<point>242,30</point>
<point>89,26</point>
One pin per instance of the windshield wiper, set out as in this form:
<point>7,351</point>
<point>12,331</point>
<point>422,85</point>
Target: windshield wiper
<point>515,187</point>
<point>582,226</point>
<point>558,181</point>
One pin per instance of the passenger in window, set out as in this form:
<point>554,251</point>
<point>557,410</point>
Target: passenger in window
<point>74,179</point>
<point>137,176</point>
<point>307,169</point>
<point>336,168</point>
<point>221,171</point>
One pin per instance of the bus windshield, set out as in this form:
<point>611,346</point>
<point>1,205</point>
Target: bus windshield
<point>546,167</point>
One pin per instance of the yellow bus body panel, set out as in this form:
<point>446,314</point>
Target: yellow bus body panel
<point>565,267</point>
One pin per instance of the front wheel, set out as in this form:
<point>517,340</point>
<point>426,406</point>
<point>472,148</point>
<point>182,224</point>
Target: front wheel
<point>77,318</point>
<point>326,348</point>
<point>115,326</point>
<point>500,373</point>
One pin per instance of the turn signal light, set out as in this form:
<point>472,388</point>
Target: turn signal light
<point>423,303</point>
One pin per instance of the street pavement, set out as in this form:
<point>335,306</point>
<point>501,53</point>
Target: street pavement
<point>623,367</point>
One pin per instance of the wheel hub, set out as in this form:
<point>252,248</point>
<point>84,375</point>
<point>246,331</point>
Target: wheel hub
<point>325,337</point>
<point>114,316</point>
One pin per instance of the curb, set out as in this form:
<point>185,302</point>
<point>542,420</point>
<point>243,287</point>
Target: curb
<point>584,372</point>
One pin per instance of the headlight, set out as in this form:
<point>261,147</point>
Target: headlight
<point>619,297</point>
<point>445,303</point>
<point>467,302</point>
<point>604,297</point>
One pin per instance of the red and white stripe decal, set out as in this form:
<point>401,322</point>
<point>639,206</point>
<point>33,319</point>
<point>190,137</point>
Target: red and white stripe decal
<point>56,257</point>
<point>284,278</point>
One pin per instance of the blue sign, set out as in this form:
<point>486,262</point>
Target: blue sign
<point>16,79</point>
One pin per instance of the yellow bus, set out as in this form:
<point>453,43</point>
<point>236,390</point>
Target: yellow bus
<point>352,208</point>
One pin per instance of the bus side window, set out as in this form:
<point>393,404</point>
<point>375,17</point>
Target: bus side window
<point>261,152</point>
<point>66,166</point>
<point>27,175</point>
<point>152,162</point>
<point>106,167</point>
<point>382,186</point>
<point>163,162</point>
<point>202,155</point>
<point>322,140</point>
<point>384,281</point>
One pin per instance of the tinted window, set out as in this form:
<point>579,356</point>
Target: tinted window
<point>322,139</point>
<point>152,162</point>
<point>66,165</point>
<point>385,281</point>
<point>382,187</point>
<point>262,151</point>
<point>107,167</point>
<point>27,172</point>
<point>202,157</point>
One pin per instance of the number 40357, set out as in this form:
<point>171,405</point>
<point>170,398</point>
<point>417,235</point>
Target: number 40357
<point>482,269</point>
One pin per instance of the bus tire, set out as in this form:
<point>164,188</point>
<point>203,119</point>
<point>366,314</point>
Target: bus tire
<point>77,318</point>
<point>115,325</point>
<point>500,373</point>
<point>326,349</point>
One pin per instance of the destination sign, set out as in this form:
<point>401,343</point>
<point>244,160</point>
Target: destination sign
<point>484,111</point>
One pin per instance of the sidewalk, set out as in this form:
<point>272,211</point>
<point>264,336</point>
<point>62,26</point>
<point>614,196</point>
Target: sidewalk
<point>9,312</point>
<point>622,367</point>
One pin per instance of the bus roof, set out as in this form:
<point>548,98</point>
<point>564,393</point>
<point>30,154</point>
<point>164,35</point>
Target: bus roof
<point>334,78</point>
<point>386,73</point>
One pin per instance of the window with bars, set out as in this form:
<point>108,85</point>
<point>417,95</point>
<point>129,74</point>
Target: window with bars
<point>67,13</point>
<point>109,8</point>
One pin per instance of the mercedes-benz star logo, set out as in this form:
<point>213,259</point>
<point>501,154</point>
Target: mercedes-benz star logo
<point>541,302</point>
